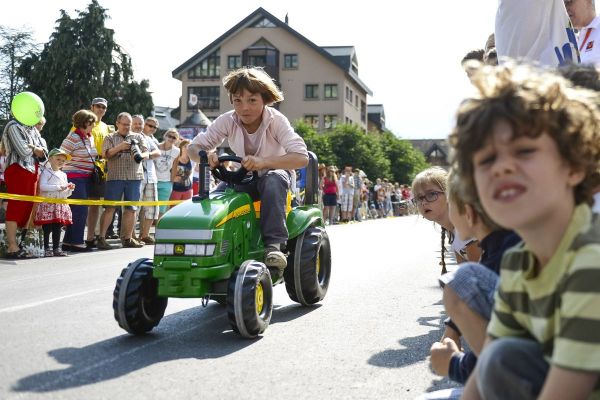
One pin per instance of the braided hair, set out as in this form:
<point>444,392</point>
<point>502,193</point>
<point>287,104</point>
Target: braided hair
<point>444,270</point>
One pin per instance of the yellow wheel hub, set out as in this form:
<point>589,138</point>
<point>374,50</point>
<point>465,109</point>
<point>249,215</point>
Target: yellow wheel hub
<point>318,264</point>
<point>260,299</point>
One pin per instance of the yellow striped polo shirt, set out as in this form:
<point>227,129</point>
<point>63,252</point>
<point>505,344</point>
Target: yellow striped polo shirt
<point>560,306</point>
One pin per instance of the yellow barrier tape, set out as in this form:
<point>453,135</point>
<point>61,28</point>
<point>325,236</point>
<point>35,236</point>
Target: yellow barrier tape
<point>78,202</point>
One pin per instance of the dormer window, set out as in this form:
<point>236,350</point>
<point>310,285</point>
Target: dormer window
<point>264,23</point>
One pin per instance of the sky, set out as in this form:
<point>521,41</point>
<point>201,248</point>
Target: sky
<point>408,53</point>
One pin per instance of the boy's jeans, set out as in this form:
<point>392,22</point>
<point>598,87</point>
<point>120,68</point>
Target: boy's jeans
<point>511,368</point>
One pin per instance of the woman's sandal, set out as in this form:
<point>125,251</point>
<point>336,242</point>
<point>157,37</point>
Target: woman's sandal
<point>59,253</point>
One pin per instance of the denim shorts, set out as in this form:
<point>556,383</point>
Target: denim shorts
<point>128,190</point>
<point>476,285</point>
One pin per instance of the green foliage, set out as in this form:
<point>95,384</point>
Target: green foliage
<point>82,61</point>
<point>380,155</point>
<point>316,142</point>
<point>405,160</point>
<point>15,46</point>
<point>354,147</point>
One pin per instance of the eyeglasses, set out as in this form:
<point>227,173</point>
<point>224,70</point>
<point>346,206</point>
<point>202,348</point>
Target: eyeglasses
<point>151,126</point>
<point>430,197</point>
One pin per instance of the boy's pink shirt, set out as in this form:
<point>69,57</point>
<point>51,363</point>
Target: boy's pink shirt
<point>277,135</point>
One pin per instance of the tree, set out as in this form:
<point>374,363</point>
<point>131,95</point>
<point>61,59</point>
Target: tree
<point>316,142</point>
<point>405,160</point>
<point>354,147</point>
<point>15,46</point>
<point>82,61</point>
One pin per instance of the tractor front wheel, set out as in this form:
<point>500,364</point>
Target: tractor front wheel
<point>136,303</point>
<point>250,299</point>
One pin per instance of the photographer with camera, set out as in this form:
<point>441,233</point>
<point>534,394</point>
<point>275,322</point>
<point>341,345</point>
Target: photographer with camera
<point>124,152</point>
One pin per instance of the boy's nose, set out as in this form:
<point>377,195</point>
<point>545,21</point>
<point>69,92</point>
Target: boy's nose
<point>504,164</point>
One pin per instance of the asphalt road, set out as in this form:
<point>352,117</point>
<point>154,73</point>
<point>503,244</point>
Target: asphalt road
<point>368,339</point>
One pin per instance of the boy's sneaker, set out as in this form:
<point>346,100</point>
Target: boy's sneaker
<point>275,258</point>
<point>131,243</point>
<point>103,244</point>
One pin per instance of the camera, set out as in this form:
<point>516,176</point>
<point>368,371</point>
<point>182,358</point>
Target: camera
<point>135,150</point>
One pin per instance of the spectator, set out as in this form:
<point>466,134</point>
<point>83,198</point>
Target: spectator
<point>123,151</point>
<point>429,188</point>
<point>347,194</point>
<point>181,173</point>
<point>356,203</point>
<point>330,193</point>
<point>268,144</point>
<point>99,132</point>
<point>78,144</point>
<point>168,153</point>
<point>523,133</point>
<point>536,31</point>
<point>148,188</point>
<point>583,16</point>
<point>52,217</point>
<point>461,287</point>
<point>24,150</point>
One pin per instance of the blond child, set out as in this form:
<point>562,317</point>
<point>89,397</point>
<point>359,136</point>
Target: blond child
<point>429,189</point>
<point>52,217</point>
<point>527,147</point>
<point>468,310</point>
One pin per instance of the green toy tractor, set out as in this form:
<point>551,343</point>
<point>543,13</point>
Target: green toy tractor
<point>210,247</point>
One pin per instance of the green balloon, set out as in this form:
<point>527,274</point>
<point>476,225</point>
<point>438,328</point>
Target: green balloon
<point>28,108</point>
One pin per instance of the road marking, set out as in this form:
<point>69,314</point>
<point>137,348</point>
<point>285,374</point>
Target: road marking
<point>40,303</point>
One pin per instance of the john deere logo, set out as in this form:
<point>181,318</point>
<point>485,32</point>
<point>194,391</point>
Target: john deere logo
<point>179,249</point>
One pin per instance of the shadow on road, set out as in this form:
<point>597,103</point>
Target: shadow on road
<point>194,333</point>
<point>415,349</point>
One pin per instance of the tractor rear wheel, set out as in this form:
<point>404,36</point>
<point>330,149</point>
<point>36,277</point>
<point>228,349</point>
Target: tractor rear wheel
<point>136,304</point>
<point>250,299</point>
<point>309,266</point>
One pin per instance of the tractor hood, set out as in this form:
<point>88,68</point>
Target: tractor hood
<point>211,213</point>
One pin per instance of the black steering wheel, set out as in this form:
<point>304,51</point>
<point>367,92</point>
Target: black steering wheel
<point>239,177</point>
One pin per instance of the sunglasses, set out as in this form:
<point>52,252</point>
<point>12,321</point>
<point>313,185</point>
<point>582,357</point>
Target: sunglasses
<point>100,106</point>
<point>171,137</point>
<point>429,197</point>
<point>151,126</point>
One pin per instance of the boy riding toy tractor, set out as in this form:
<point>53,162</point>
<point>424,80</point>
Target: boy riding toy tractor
<point>210,247</point>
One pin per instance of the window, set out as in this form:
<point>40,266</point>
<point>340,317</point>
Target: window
<point>234,62</point>
<point>363,111</point>
<point>290,61</point>
<point>349,94</point>
<point>264,23</point>
<point>331,91</point>
<point>311,91</point>
<point>356,101</point>
<point>210,67</point>
<point>207,97</point>
<point>263,54</point>
<point>330,121</point>
<point>312,120</point>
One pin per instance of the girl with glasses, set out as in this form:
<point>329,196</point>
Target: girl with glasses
<point>429,188</point>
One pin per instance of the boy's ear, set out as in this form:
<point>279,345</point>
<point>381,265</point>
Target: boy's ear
<point>471,215</point>
<point>576,176</point>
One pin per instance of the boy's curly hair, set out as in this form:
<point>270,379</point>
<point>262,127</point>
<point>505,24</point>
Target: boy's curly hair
<point>533,102</point>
